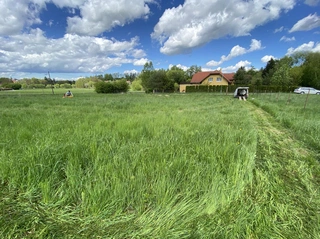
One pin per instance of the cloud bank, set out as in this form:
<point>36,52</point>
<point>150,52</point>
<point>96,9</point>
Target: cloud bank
<point>196,23</point>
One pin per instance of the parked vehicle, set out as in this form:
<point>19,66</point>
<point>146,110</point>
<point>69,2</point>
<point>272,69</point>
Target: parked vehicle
<point>307,90</point>
<point>241,93</point>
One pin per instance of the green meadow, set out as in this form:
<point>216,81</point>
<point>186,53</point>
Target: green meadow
<point>139,165</point>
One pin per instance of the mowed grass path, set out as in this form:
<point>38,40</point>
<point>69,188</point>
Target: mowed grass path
<point>151,166</point>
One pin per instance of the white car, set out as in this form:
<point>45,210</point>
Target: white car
<point>307,90</point>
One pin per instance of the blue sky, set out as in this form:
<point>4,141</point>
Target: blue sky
<point>76,38</point>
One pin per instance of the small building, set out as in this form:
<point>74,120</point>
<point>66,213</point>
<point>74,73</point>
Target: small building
<point>209,78</point>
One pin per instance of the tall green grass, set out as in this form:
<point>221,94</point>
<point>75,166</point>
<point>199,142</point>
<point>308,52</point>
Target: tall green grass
<point>133,166</point>
<point>300,113</point>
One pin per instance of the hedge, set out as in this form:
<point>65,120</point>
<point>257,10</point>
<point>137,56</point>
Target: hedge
<point>224,89</point>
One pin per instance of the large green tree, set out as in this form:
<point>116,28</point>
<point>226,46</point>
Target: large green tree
<point>311,70</point>
<point>242,77</point>
<point>192,70</point>
<point>146,79</point>
<point>161,82</point>
<point>176,74</point>
<point>257,78</point>
<point>281,76</point>
<point>5,80</point>
<point>296,75</point>
<point>268,71</point>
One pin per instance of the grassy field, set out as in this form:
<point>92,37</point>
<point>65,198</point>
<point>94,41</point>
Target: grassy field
<point>297,112</point>
<point>158,166</point>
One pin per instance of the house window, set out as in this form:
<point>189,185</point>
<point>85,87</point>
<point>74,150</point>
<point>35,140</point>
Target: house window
<point>210,79</point>
<point>219,79</point>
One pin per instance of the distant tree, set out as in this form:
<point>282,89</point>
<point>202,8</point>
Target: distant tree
<point>100,77</point>
<point>281,75</point>
<point>192,70</point>
<point>130,76</point>
<point>160,81</point>
<point>5,80</point>
<point>311,70</point>
<point>257,78</point>
<point>146,79</point>
<point>296,73</point>
<point>242,77</point>
<point>117,76</point>
<point>252,71</point>
<point>176,74</point>
<point>80,83</point>
<point>268,71</point>
<point>108,77</point>
<point>148,66</point>
<point>299,57</point>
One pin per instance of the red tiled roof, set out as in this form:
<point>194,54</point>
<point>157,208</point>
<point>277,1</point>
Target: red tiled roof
<point>200,76</point>
<point>229,76</point>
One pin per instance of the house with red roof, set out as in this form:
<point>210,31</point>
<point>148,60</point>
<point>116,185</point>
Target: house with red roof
<point>209,78</point>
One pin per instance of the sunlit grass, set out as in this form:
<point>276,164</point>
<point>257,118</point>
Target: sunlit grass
<point>300,113</point>
<point>137,166</point>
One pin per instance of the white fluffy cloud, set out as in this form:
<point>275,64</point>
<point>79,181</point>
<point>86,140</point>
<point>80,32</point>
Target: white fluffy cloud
<point>131,72</point>
<point>229,69</point>
<point>96,16</point>
<point>140,62</point>
<point>197,22</point>
<point>267,58</point>
<point>99,16</point>
<point>310,46</point>
<point>72,53</point>
<point>237,51</point>
<point>179,66</point>
<point>68,3</point>
<point>25,48</point>
<point>15,16</point>
<point>306,24</point>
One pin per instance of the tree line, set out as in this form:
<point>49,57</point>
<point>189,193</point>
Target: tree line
<point>149,79</point>
<point>35,83</point>
<point>300,69</point>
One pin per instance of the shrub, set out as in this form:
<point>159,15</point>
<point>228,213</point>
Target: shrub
<point>136,85</point>
<point>14,86</point>
<point>112,87</point>
<point>100,87</point>
<point>67,86</point>
<point>120,86</point>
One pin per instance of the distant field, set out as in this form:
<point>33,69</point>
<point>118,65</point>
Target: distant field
<point>141,165</point>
